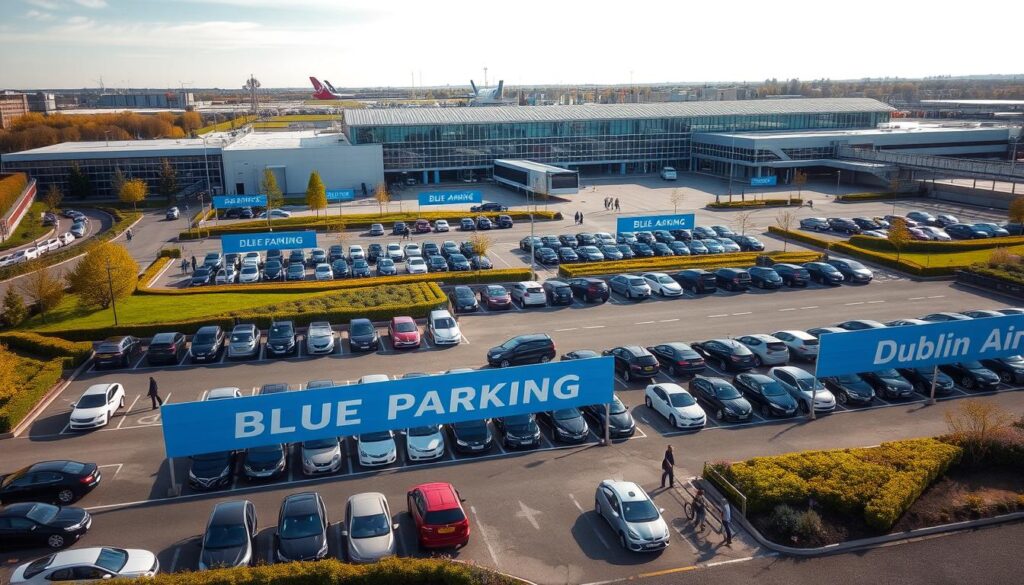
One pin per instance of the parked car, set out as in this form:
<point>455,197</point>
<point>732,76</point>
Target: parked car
<point>88,564</point>
<point>295,272</point>
<point>557,292</point>
<point>725,400</point>
<point>273,270</point>
<point>167,348</point>
<point>97,405</point>
<point>792,275</point>
<point>320,338</point>
<point>528,293</point>
<point>567,425</point>
<point>630,286</point>
<point>281,339</point>
<point>992,230</point>
<point>339,268</point>
<point>697,280</point>
<point>852,270</point>
<point>60,482</point>
<point>436,511</point>
<point>458,263</point>
<point>589,289</point>
<point>678,358</point>
<point>729,354</point>
<point>495,296</point>
<point>201,276</point>
<point>443,329</point>
<point>843,225</point>
<point>677,405</point>
<point>376,449</point>
<point>207,344</point>
<point>850,389</point>
<point>802,345</point>
<point>266,462</point>
<point>471,437</point>
<point>565,255</point>
<point>620,421</point>
<point>386,267</point>
<point>522,349</point>
<point>633,361</point>
<point>404,333</point>
<point>363,336</point>
<point>249,274</point>
<point>464,300</point>
<point>765,394</point>
<point>441,226</point>
<point>805,388</point>
<point>817,224</point>
<point>767,350</point>
<point>360,268</point>
<point>963,231</point>
<point>230,536</point>
<point>424,443</point>
<point>662,284</point>
<point>302,524</point>
<point>368,529</point>
<point>889,384</point>
<point>824,273</point>
<point>764,277</point>
<point>117,352</point>
<point>1010,369</point>
<point>244,341</point>
<point>733,279</point>
<point>972,375</point>
<point>922,379</point>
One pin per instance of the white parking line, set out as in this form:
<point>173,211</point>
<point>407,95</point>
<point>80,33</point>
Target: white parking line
<point>596,529</point>
<point>483,532</point>
<point>874,302</point>
<point>743,313</point>
<point>203,397</point>
<point>594,327</point>
<point>668,320</point>
<point>719,315</point>
<point>566,329</point>
<point>935,297</point>
<point>643,322</point>
<point>125,415</point>
<point>619,380</point>
<point>810,307</point>
<point>464,338</point>
<point>790,309</point>
<point>116,471</point>
<point>915,298</point>
<point>854,303</point>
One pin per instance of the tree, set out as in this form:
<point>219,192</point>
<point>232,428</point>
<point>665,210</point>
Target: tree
<point>91,281</point>
<point>382,196</point>
<point>676,198</point>
<point>268,185</point>
<point>316,193</point>
<point>14,308</point>
<point>785,220</point>
<point>42,288</point>
<point>481,245</point>
<point>899,235</point>
<point>133,191</point>
<point>742,221</point>
<point>79,183</point>
<point>53,197</point>
<point>976,425</point>
<point>1016,212</point>
<point>117,181</point>
<point>168,185</point>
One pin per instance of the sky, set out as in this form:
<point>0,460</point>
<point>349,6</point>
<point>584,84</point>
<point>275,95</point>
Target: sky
<point>363,43</point>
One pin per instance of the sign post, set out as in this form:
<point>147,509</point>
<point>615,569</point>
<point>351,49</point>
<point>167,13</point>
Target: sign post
<point>935,380</point>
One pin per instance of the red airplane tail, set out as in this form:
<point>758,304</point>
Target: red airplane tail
<point>319,91</point>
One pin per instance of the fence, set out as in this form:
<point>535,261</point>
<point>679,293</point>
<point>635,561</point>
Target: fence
<point>732,492</point>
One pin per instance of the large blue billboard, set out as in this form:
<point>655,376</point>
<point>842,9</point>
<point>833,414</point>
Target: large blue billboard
<point>229,201</point>
<point>919,346</point>
<point>645,223</point>
<point>764,181</point>
<point>240,243</point>
<point>334,195</point>
<point>450,197</point>
<point>192,428</point>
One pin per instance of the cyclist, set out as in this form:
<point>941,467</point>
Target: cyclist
<point>700,509</point>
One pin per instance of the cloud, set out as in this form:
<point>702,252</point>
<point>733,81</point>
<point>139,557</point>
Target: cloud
<point>92,3</point>
<point>45,4</point>
<point>38,15</point>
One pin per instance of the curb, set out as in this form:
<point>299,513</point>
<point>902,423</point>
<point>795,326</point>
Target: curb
<point>490,570</point>
<point>863,543</point>
<point>47,399</point>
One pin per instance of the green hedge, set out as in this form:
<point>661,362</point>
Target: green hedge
<point>933,247</point>
<point>389,571</point>
<point>70,354</point>
<point>756,203</point>
<point>736,259</point>
<point>879,483</point>
<point>152,270</point>
<point>801,236</point>
<point>889,259</point>
<point>170,252</point>
<point>32,390</point>
<point>884,196</point>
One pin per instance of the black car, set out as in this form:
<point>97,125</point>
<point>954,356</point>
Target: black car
<point>363,336</point>
<point>729,353</point>
<point>464,300</point>
<point>60,482</point>
<point>824,273</point>
<point>230,537</point>
<point>335,252</point>
<point>437,263</point>
<point>551,242</point>
<point>889,384</point>
<point>679,248</point>
<point>764,277</point>
<point>467,224</point>
<point>529,242</point>
<point>765,394</point>
<point>626,251</point>
<point>697,280</point>
<point>483,223</point>
<point>281,339</point>
<point>843,225</point>
<point>297,256</point>
<point>360,268</point>
<point>472,436</point>
<point>374,252</point>
<point>38,524</point>
<point>274,388</point>
<point>921,378</point>
<point>633,361</point>
<point>480,263</point>
<point>568,240</point>
<point>850,389</point>
<point>586,239</point>
<point>589,289</point>
<point>620,421</point>
<point>211,470</point>
<point>302,524</point>
<point>866,223</point>
<point>489,206</point>
<point>273,270</point>
<point>458,263</point>
<point>430,249</point>
<point>546,256</point>
<point>567,255</point>
<point>792,275</point>
<point>207,344</point>
<point>963,231</point>
<point>1010,368</point>
<point>118,351</point>
<point>265,462</point>
<point>505,222</point>
<point>567,425</point>
<point>725,400</point>
<point>277,255</point>
<point>748,243</point>
<point>558,292</point>
<point>166,348</point>
<point>399,228</point>
<point>518,431</point>
<point>944,317</point>
<point>852,270</point>
<point>522,349</point>
<point>860,324</point>
<point>661,249</point>
<point>645,237</point>
<point>201,276</point>
<point>642,250</point>
<point>972,375</point>
<point>734,279</point>
<point>678,358</point>
<point>339,268</point>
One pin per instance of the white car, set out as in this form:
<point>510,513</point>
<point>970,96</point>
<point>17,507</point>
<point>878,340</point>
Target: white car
<point>253,257</point>
<point>222,393</point>
<point>605,239</point>
<point>662,284</point>
<point>632,515</point>
<point>528,293</point>
<point>323,272</point>
<point>441,225</point>
<point>416,265</point>
<point>394,251</point>
<point>356,252</point>
<point>6,261</point>
<point>53,244</point>
<point>804,387</point>
<point>677,405</point>
<point>66,238</point>
<point>376,449</point>
<point>443,328</point>
<point>368,529</point>
<point>42,248</point>
<point>26,254</point>
<point>98,403</point>
<point>935,233</point>
<point>88,564</point>
<point>801,344</point>
<point>250,273</point>
<point>321,456</point>
<point>412,250</point>
<point>320,338</point>
<point>424,443</point>
<point>767,350</point>
<point>275,213</point>
<point>373,378</point>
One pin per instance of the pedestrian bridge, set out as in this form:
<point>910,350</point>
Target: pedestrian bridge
<point>938,165</point>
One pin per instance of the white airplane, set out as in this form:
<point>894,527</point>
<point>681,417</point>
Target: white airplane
<point>487,96</point>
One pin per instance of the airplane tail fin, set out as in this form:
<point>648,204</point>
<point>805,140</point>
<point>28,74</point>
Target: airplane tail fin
<point>316,83</point>
<point>330,87</point>
<point>501,85</point>
<point>473,85</point>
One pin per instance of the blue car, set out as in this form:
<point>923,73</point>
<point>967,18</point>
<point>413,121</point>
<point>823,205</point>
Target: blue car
<point>963,231</point>
<point>713,246</point>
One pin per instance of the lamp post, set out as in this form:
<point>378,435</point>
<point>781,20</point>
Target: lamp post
<point>839,174</point>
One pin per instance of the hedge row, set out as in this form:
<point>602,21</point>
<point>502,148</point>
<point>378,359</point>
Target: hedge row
<point>389,571</point>
<point>800,236</point>
<point>889,259</point>
<point>737,259</point>
<point>879,483</point>
<point>170,252</point>
<point>378,303</point>
<point>67,353</point>
<point>152,270</point>
<point>886,196</point>
<point>756,203</point>
<point>31,391</point>
<point>933,247</point>
<point>481,277</point>
<point>121,222</point>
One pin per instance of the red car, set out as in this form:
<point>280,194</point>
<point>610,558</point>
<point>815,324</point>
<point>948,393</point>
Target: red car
<point>496,297</point>
<point>404,333</point>
<point>437,511</point>
<point>422,226</point>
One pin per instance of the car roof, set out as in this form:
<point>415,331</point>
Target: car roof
<point>366,503</point>
<point>439,314</point>
<point>301,503</point>
<point>226,391</point>
<point>439,496</point>
<point>795,371</point>
<point>166,336</point>
<point>243,327</point>
<point>228,512</point>
<point>75,556</point>
<point>55,465</point>
<point>96,389</point>
<point>798,333</point>
<point>370,378</point>
<point>17,510</point>
<point>671,388</point>
<point>402,319</point>
<point>627,491</point>
<point>635,350</point>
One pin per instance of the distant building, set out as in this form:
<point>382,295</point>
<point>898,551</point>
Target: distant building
<point>12,106</point>
<point>147,99</point>
<point>42,102</point>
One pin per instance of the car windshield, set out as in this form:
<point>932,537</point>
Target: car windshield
<point>565,414</point>
<point>375,437</point>
<point>444,323</point>
<point>280,331</point>
<point>370,526</point>
<point>496,291</point>
<point>362,329</point>
<point>240,337</point>
<point>449,516</point>
<point>301,526</point>
<point>320,444</point>
<point>219,536</point>
<point>43,513</point>
<point>250,269</point>
<point>848,379</point>
<point>92,401</point>
<point>888,374</point>
<point>772,388</point>
<point>635,281</point>
<point>679,399</point>
<point>616,406</point>
<point>264,454</point>
<point>108,348</point>
<point>973,365</point>
<point>808,384</point>
<point>726,392</point>
<point>642,511</point>
<point>665,279</point>
<point>425,431</point>
<point>405,327</point>
<point>203,338</point>
<point>112,559</point>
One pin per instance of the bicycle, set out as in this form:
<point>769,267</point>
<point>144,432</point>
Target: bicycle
<point>689,511</point>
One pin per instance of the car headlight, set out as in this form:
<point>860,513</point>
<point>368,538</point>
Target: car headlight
<point>462,443</point>
<point>308,462</point>
<point>729,409</point>
<point>633,534</point>
<point>336,458</point>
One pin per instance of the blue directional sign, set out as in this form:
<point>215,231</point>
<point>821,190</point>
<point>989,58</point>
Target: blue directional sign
<point>683,221</point>
<point>192,428</point>
<point>240,243</point>
<point>450,197</point>
<point>229,201</point>
<point>764,181</point>
<point>334,195</point>
<point>918,346</point>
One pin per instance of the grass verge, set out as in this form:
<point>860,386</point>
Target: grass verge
<point>29,229</point>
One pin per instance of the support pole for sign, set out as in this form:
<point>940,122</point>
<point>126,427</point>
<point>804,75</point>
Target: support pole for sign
<point>814,392</point>
<point>173,491</point>
<point>607,424</point>
<point>935,379</point>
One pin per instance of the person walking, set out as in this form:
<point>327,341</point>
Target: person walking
<point>727,522</point>
<point>700,509</point>
<point>184,266</point>
<point>581,218</point>
<point>576,218</point>
<point>193,264</point>
<point>617,208</point>
<point>128,234</point>
<point>668,464</point>
<point>154,395</point>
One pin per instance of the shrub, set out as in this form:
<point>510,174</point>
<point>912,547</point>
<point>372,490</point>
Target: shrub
<point>805,237</point>
<point>887,196</point>
<point>152,270</point>
<point>784,520</point>
<point>738,259</point>
<point>70,354</point>
<point>809,526</point>
<point>43,376</point>
<point>935,247</point>
<point>756,203</point>
<point>170,252</point>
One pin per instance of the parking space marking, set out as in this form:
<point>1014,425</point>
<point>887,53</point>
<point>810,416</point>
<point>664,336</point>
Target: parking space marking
<point>643,322</point>
<point>202,398</point>
<point>464,338</point>
<point>174,559</point>
<point>915,298</point>
<point>127,412</point>
<point>566,329</point>
<point>483,532</point>
<point>223,356</point>
<point>594,327</point>
<point>743,313</point>
<point>139,361</point>
<point>596,529</point>
<point>874,302</point>
<point>668,320</point>
<point>116,471</point>
<point>789,309</point>
<point>853,303</point>
<point>936,297</point>
<point>719,315</point>
<point>619,380</point>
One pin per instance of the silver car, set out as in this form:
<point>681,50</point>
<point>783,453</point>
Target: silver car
<point>632,515</point>
<point>630,286</point>
<point>767,350</point>
<point>320,338</point>
<point>804,387</point>
<point>368,528</point>
<point>244,341</point>
<point>321,456</point>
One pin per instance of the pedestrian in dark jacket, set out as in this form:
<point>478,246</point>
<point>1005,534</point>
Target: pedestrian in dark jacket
<point>617,208</point>
<point>581,218</point>
<point>667,465</point>
<point>193,264</point>
<point>154,395</point>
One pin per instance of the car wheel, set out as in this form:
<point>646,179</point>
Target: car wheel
<point>843,398</point>
<point>122,402</point>
<point>55,541</point>
<point>765,411</point>
<point>505,363</point>
<point>545,359</point>
<point>720,414</point>
<point>672,421</point>
<point>967,382</point>
<point>65,496</point>
<point>1006,377</point>
<point>647,401</point>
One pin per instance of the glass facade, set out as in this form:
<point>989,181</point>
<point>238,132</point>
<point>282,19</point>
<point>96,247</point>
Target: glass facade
<point>638,143</point>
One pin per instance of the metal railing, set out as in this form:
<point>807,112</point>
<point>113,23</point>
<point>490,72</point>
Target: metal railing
<point>998,170</point>
<point>711,474</point>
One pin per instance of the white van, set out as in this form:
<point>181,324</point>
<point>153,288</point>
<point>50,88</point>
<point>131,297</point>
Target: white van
<point>668,174</point>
